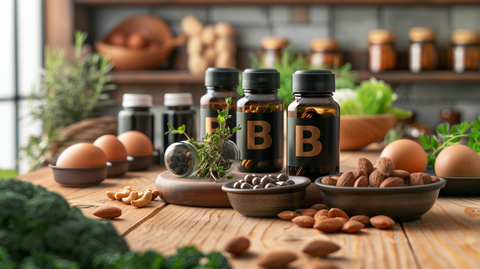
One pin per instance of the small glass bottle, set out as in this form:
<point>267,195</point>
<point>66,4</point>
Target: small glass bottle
<point>272,49</point>
<point>221,83</point>
<point>136,115</point>
<point>464,54</point>
<point>260,115</point>
<point>382,55</point>
<point>178,113</point>
<point>313,125</point>
<point>423,54</point>
<point>325,52</point>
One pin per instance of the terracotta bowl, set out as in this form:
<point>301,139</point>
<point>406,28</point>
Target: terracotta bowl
<point>118,168</point>
<point>153,29</point>
<point>359,131</point>
<point>79,176</point>
<point>139,162</point>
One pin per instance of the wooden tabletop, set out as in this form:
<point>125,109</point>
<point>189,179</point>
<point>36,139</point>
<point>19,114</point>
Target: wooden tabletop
<point>448,236</point>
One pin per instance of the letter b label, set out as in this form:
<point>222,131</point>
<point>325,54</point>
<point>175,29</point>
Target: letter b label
<point>251,134</point>
<point>300,130</point>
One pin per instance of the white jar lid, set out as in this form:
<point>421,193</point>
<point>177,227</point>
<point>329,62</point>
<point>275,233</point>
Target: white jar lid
<point>137,100</point>
<point>178,99</point>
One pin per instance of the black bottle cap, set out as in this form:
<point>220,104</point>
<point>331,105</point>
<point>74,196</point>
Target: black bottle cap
<point>313,81</point>
<point>215,77</point>
<point>260,78</point>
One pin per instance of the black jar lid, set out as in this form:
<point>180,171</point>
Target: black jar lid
<point>260,78</point>
<point>216,77</point>
<point>313,81</point>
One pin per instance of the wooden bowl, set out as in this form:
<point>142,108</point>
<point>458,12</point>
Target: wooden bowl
<point>359,131</point>
<point>154,30</point>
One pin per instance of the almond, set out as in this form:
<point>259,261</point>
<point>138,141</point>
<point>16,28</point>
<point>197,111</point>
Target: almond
<point>319,218</point>
<point>328,181</point>
<point>320,248</point>
<point>318,206</point>
<point>416,179</point>
<point>352,226</point>
<point>358,173</point>
<point>319,264</point>
<point>336,212</point>
<point>288,215</point>
<point>321,212</point>
<point>426,178</point>
<point>392,182</point>
<point>435,179</point>
<point>309,212</point>
<point>361,182</point>
<point>385,166</point>
<point>304,221</point>
<point>346,180</point>
<point>365,165</point>
<point>330,225</point>
<point>237,245</point>
<point>382,222</point>
<point>400,173</point>
<point>108,212</point>
<point>375,179</point>
<point>280,258</point>
<point>362,219</point>
<point>335,177</point>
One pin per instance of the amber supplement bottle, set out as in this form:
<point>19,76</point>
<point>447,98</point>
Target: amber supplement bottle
<point>260,114</point>
<point>272,50</point>
<point>136,115</point>
<point>221,83</point>
<point>325,52</point>
<point>464,54</point>
<point>422,51</point>
<point>313,125</point>
<point>382,55</point>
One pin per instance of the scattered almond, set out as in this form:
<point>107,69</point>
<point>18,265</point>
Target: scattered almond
<point>237,245</point>
<point>319,218</point>
<point>352,226</point>
<point>358,173</point>
<point>392,182</point>
<point>288,215</point>
<point>400,173</point>
<point>330,225</point>
<point>375,179</point>
<point>320,248</point>
<point>362,219</point>
<point>321,212</point>
<point>365,165</point>
<point>382,222</point>
<point>319,264</point>
<point>318,206</point>
<point>385,166</point>
<point>346,180</point>
<point>108,212</point>
<point>362,181</point>
<point>416,179</point>
<point>309,212</point>
<point>336,212</point>
<point>329,181</point>
<point>280,258</point>
<point>304,221</point>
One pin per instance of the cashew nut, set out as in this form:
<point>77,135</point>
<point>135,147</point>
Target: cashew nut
<point>111,195</point>
<point>155,193</point>
<point>145,200</point>
<point>133,196</point>
<point>140,194</point>
<point>120,195</point>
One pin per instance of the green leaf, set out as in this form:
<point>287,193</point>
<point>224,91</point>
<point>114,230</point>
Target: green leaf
<point>433,142</point>
<point>229,176</point>
<point>425,142</point>
<point>443,128</point>
<point>191,140</point>
<point>455,129</point>
<point>181,129</point>
<point>169,127</point>
<point>235,129</point>
<point>228,100</point>
<point>464,127</point>
<point>431,160</point>
<point>220,120</point>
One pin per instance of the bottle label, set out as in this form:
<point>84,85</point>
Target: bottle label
<point>313,142</point>
<point>209,122</point>
<point>261,136</point>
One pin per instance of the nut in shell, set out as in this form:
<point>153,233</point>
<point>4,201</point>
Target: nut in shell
<point>392,182</point>
<point>375,179</point>
<point>400,173</point>
<point>360,182</point>
<point>358,173</point>
<point>424,177</point>
<point>365,165</point>
<point>346,180</point>
<point>329,181</point>
<point>416,179</point>
<point>385,166</point>
<point>320,248</point>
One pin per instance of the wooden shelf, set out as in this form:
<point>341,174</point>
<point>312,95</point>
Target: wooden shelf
<point>183,77</point>
<point>272,2</point>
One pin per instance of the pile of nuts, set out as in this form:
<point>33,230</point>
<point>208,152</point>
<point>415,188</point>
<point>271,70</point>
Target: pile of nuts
<point>384,176</point>
<point>252,181</point>
<point>129,196</point>
<point>180,162</point>
<point>334,220</point>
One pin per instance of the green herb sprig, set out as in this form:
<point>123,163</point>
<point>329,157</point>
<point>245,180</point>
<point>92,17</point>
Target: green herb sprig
<point>213,160</point>
<point>451,136</point>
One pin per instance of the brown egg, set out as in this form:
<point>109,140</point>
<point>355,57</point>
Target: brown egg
<point>112,147</point>
<point>117,39</point>
<point>82,155</point>
<point>136,40</point>
<point>136,143</point>
<point>406,155</point>
<point>457,161</point>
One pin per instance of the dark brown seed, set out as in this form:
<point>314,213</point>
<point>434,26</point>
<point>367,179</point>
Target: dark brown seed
<point>237,245</point>
<point>365,165</point>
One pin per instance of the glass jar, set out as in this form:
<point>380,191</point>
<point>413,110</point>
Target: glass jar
<point>221,83</point>
<point>260,115</point>
<point>325,52</point>
<point>382,55</point>
<point>182,158</point>
<point>464,54</point>
<point>136,115</point>
<point>422,51</point>
<point>313,125</point>
<point>272,50</point>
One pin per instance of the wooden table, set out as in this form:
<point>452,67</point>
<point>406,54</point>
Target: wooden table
<point>448,236</point>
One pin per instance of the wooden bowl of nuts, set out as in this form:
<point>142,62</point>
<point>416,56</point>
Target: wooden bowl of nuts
<point>383,191</point>
<point>359,131</point>
<point>266,195</point>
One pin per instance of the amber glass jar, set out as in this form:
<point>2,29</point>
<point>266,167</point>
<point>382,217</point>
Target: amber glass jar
<point>464,54</point>
<point>382,55</point>
<point>272,49</point>
<point>260,115</point>
<point>221,83</point>
<point>422,51</point>
<point>313,125</point>
<point>325,53</point>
